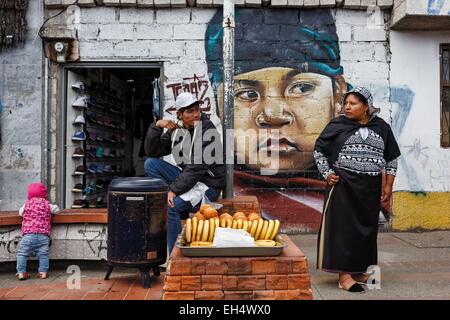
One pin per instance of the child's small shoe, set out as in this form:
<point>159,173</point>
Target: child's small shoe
<point>22,275</point>
<point>42,275</point>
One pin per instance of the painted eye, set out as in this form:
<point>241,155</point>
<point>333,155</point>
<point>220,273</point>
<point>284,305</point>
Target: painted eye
<point>300,89</point>
<point>248,95</point>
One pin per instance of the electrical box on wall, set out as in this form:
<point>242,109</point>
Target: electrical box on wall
<point>62,51</point>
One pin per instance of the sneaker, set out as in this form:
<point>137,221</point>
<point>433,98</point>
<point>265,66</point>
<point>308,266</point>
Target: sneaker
<point>78,85</point>
<point>93,203</point>
<point>113,153</point>
<point>92,168</point>
<point>99,138</point>
<point>100,169</point>
<point>91,117</point>
<point>80,203</point>
<point>42,275</point>
<point>78,153</point>
<point>92,135</point>
<point>108,168</point>
<point>22,275</point>
<point>91,102</point>
<point>79,136</point>
<point>80,170</point>
<point>79,120</point>
<point>93,185</point>
<point>78,188</point>
<point>80,102</point>
<point>99,152</point>
<point>100,202</point>
<point>107,153</point>
<point>100,184</point>
<point>88,190</point>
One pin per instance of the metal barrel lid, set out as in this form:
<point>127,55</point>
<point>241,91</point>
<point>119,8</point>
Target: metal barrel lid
<point>138,184</point>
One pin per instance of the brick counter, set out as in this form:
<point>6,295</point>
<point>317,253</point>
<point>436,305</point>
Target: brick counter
<point>284,277</point>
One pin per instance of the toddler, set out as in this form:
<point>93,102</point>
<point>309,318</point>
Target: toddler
<point>36,214</point>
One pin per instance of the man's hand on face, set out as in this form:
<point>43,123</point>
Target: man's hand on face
<point>168,124</point>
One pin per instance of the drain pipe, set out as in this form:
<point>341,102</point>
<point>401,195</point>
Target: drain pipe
<point>228,96</point>
<point>46,126</point>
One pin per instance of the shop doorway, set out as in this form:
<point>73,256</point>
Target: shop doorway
<point>107,110</point>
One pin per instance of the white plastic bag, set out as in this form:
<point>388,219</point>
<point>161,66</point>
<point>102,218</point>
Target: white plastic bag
<point>227,237</point>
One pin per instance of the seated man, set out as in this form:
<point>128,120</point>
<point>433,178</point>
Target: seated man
<point>196,147</point>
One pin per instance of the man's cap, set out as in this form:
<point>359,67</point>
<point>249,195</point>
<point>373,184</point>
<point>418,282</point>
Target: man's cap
<point>185,100</point>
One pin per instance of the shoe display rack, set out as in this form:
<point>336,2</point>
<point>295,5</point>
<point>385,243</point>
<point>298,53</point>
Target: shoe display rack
<point>97,135</point>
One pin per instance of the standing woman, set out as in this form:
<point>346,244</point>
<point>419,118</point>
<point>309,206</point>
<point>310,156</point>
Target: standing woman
<point>351,153</point>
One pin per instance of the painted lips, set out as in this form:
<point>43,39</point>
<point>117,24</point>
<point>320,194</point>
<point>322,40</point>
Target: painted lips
<point>281,145</point>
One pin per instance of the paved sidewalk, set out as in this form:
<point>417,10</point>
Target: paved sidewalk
<point>413,266</point>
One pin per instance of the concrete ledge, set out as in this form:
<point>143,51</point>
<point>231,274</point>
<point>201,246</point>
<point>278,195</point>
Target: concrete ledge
<point>12,218</point>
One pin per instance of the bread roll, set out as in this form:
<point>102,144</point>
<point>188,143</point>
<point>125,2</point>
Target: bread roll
<point>254,226</point>
<point>205,232</point>
<point>198,237</point>
<point>199,216</point>
<point>276,228</point>
<point>269,230</point>
<point>210,213</point>
<point>201,244</point>
<point>264,230</point>
<point>194,228</point>
<point>259,228</point>
<point>188,230</point>
<point>265,243</point>
<point>204,207</point>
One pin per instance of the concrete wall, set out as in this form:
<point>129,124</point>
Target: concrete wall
<point>423,185</point>
<point>70,241</point>
<point>20,121</point>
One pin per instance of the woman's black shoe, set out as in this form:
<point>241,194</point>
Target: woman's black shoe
<point>354,288</point>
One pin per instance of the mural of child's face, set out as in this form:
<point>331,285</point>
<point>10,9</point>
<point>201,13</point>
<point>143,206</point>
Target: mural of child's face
<point>298,104</point>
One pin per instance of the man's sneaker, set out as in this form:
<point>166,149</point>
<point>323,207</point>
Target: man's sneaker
<point>22,275</point>
<point>80,170</point>
<point>80,203</point>
<point>108,168</point>
<point>79,136</point>
<point>99,152</point>
<point>100,184</point>
<point>78,85</point>
<point>92,168</point>
<point>78,153</point>
<point>88,190</point>
<point>100,168</point>
<point>93,203</point>
<point>42,275</point>
<point>78,188</point>
<point>80,102</point>
<point>92,135</point>
<point>100,202</point>
<point>79,120</point>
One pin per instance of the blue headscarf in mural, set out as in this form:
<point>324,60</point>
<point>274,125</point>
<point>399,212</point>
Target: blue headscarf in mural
<point>304,40</point>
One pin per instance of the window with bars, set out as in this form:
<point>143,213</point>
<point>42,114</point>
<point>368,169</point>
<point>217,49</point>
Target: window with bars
<point>445,95</point>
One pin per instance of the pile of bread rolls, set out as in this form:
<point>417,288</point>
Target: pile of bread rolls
<point>201,227</point>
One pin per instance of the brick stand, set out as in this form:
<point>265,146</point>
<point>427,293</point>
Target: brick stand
<point>284,277</point>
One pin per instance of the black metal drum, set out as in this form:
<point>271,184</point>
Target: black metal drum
<point>137,225</point>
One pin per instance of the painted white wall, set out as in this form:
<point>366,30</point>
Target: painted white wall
<point>425,166</point>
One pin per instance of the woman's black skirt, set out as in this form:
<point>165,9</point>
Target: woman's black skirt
<point>347,239</point>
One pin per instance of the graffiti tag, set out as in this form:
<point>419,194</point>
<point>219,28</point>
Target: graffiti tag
<point>436,7</point>
<point>197,85</point>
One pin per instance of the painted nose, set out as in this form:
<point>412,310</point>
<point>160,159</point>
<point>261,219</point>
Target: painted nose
<point>274,115</point>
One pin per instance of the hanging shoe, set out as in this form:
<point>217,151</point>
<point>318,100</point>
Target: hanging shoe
<point>80,102</point>
<point>79,136</point>
<point>79,120</point>
<point>78,153</point>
